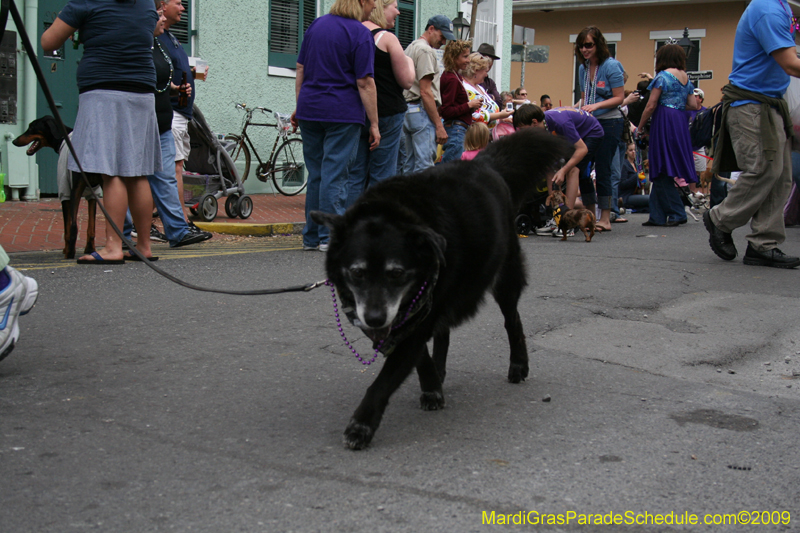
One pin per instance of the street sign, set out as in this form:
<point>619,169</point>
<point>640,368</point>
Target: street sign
<point>696,75</point>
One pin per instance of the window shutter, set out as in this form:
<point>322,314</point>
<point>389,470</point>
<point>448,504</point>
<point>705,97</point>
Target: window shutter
<point>181,30</point>
<point>404,24</point>
<point>288,21</point>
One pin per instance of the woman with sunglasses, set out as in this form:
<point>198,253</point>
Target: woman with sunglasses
<point>602,91</point>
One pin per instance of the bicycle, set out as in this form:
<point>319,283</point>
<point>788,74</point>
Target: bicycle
<point>284,166</point>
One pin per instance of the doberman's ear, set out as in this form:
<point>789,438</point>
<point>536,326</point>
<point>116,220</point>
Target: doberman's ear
<point>330,220</point>
<point>426,237</point>
<point>54,130</point>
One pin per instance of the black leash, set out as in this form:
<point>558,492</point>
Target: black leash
<point>7,6</point>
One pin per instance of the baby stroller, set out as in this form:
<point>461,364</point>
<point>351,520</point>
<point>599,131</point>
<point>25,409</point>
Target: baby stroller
<point>209,174</point>
<point>533,213</point>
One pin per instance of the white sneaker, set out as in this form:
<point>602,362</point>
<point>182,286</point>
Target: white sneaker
<point>559,234</point>
<point>323,247</point>
<point>15,300</point>
<point>547,229</point>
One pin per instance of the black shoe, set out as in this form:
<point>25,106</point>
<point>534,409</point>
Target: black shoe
<point>651,223</point>
<point>155,235</point>
<point>192,238</point>
<point>771,258</point>
<point>721,242</point>
<point>194,230</point>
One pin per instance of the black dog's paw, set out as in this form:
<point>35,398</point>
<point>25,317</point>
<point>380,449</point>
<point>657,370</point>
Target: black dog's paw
<point>517,373</point>
<point>431,401</point>
<point>357,435</point>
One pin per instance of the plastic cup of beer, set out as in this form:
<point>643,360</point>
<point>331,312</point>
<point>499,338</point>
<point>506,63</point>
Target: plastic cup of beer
<point>200,69</point>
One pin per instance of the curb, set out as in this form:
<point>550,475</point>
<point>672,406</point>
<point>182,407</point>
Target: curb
<point>265,230</point>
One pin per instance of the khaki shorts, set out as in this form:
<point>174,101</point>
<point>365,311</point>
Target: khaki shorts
<point>180,130</point>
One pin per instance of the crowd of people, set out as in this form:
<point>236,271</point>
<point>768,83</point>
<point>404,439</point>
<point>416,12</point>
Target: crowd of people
<point>454,112</point>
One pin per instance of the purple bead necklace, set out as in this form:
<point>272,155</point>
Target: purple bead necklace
<point>361,359</point>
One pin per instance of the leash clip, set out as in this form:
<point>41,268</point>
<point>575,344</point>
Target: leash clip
<point>312,286</point>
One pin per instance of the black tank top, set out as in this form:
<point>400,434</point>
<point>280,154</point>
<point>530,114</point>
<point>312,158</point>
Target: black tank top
<point>390,94</point>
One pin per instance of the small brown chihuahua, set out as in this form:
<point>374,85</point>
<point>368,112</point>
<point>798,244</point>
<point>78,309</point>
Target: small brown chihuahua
<point>572,218</point>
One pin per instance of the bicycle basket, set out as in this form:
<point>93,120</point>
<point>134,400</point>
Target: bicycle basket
<point>284,123</point>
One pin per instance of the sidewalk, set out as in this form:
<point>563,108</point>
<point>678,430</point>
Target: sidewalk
<point>35,226</point>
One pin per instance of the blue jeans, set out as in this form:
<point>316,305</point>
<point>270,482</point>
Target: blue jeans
<point>616,175</point>
<point>328,150</point>
<point>164,187</point>
<point>369,168</point>
<point>665,201</point>
<point>604,160</point>
<point>420,135</point>
<point>588,195</point>
<point>455,141</point>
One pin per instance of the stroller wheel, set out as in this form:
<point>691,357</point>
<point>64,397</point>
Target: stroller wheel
<point>245,207</point>
<point>524,224</point>
<point>207,207</point>
<point>231,206</point>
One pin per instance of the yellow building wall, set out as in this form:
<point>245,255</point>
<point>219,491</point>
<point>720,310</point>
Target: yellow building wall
<point>635,50</point>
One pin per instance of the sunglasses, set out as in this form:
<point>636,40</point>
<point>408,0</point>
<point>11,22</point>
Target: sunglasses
<point>588,46</point>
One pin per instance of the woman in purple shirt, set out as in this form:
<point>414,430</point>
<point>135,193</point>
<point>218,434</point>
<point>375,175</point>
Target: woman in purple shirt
<point>335,89</point>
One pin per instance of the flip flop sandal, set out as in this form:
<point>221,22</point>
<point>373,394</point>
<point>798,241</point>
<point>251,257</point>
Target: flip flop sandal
<point>98,260</point>
<point>130,257</point>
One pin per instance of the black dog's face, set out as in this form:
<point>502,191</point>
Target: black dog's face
<point>42,132</point>
<point>382,266</point>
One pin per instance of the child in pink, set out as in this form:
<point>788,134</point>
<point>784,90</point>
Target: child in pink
<point>475,140</point>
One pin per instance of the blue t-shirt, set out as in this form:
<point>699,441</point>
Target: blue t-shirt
<point>117,41</point>
<point>572,124</point>
<point>180,65</point>
<point>610,75</point>
<point>765,26</point>
<point>336,51</point>
<point>673,93</point>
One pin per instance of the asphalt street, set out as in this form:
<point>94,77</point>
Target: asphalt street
<point>665,383</point>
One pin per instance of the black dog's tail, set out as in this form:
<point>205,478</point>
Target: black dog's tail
<point>525,159</point>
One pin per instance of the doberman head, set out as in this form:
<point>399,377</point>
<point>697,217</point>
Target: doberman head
<point>41,132</point>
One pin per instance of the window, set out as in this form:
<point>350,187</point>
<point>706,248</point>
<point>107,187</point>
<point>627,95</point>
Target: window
<point>693,61</point>
<point>182,30</point>
<point>404,25</point>
<point>288,22</point>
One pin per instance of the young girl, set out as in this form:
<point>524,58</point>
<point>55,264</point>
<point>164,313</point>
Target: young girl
<point>475,140</point>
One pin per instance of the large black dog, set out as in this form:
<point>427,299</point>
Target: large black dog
<point>415,255</point>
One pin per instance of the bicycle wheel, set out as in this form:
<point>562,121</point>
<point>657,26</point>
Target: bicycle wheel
<point>289,174</point>
<point>240,155</point>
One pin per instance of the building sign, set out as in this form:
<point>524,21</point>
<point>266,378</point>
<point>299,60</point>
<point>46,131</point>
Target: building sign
<point>532,53</point>
<point>696,75</point>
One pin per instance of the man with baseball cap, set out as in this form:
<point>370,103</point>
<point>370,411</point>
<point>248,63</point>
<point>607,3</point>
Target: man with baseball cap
<point>700,160</point>
<point>422,126</point>
<point>487,50</point>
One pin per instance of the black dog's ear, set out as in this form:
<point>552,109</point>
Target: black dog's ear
<point>437,243</point>
<point>331,220</point>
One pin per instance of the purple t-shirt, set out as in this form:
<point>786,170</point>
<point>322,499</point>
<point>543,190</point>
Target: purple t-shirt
<point>572,124</point>
<point>336,51</point>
